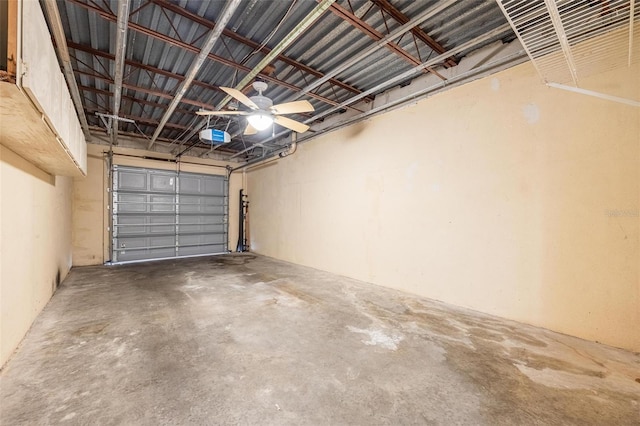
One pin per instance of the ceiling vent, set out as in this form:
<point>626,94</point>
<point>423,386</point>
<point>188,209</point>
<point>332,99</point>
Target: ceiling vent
<point>568,40</point>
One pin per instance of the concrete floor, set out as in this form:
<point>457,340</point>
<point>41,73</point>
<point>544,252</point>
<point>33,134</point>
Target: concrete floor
<point>243,339</point>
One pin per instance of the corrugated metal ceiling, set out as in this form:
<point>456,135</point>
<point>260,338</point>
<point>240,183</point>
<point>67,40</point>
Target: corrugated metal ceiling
<point>164,38</point>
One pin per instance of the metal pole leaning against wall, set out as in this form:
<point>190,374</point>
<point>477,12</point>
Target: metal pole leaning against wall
<point>243,205</point>
<point>109,204</point>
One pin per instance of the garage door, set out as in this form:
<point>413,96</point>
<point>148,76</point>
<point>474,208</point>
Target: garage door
<point>160,214</point>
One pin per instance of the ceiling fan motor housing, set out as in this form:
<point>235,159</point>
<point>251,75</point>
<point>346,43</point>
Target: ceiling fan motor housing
<point>263,102</point>
<point>259,86</point>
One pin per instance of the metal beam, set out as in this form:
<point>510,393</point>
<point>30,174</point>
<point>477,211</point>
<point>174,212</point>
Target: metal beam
<point>287,40</point>
<point>136,135</point>
<point>377,36</point>
<point>121,48</point>
<point>147,91</point>
<point>141,120</point>
<point>416,31</point>
<point>415,70</point>
<point>380,44</point>
<point>131,99</point>
<point>134,64</point>
<point>284,43</point>
<point>51,8</point>
<point>459,79</point>
<point>254,45</point>
<point>512,59</point>
<point>226,15</point>
<point>395,80</point>
<point>171,41</point>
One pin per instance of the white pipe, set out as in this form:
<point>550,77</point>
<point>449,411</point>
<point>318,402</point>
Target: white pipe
<point>604,96</point>
<point>415,70</point>
<point>631,18</point>
<point>18,58</point>
<point>379,44</point>
<point>121,48</point>
<point>413,97</point>
<point>213,37</point>
<point>286,41</point>
<point>292,148</point>
<point>382,86</point>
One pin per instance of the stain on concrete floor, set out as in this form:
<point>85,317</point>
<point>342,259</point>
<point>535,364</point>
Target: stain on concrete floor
<point>244,339</point>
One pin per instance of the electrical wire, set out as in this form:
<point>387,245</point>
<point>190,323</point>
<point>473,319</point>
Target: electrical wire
<point>140,130</point>
<point>271,34</point>
<point>235,74</point>
<point>185,131</point>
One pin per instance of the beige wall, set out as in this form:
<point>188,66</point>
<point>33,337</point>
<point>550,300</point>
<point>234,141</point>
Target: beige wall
<point>35,244</point>
<point>502,195</point>
<point>90,199</point>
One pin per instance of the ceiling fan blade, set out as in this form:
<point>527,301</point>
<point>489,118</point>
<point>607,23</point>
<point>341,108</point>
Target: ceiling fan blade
<point>221,113</point>
<point>250,130</point>
<point>234,93</point>
<point>294,125</point>
<point>292,107</point>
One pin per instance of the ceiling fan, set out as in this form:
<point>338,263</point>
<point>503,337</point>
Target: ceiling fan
<point>263,112</point>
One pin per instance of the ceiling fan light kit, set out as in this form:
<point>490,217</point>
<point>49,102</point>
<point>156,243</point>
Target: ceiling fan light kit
<point>260,120</point>
<point>263,113</point>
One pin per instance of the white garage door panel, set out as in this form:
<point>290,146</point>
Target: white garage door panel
<point>137,243</point>
<point>162,214</point>
<point>136,203</point>
<point>202,204</point>
<point>200,250</point>
<point>132,180</point>
<point>197,224</point>
<point>145,225</point>
<point>201,239</point>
